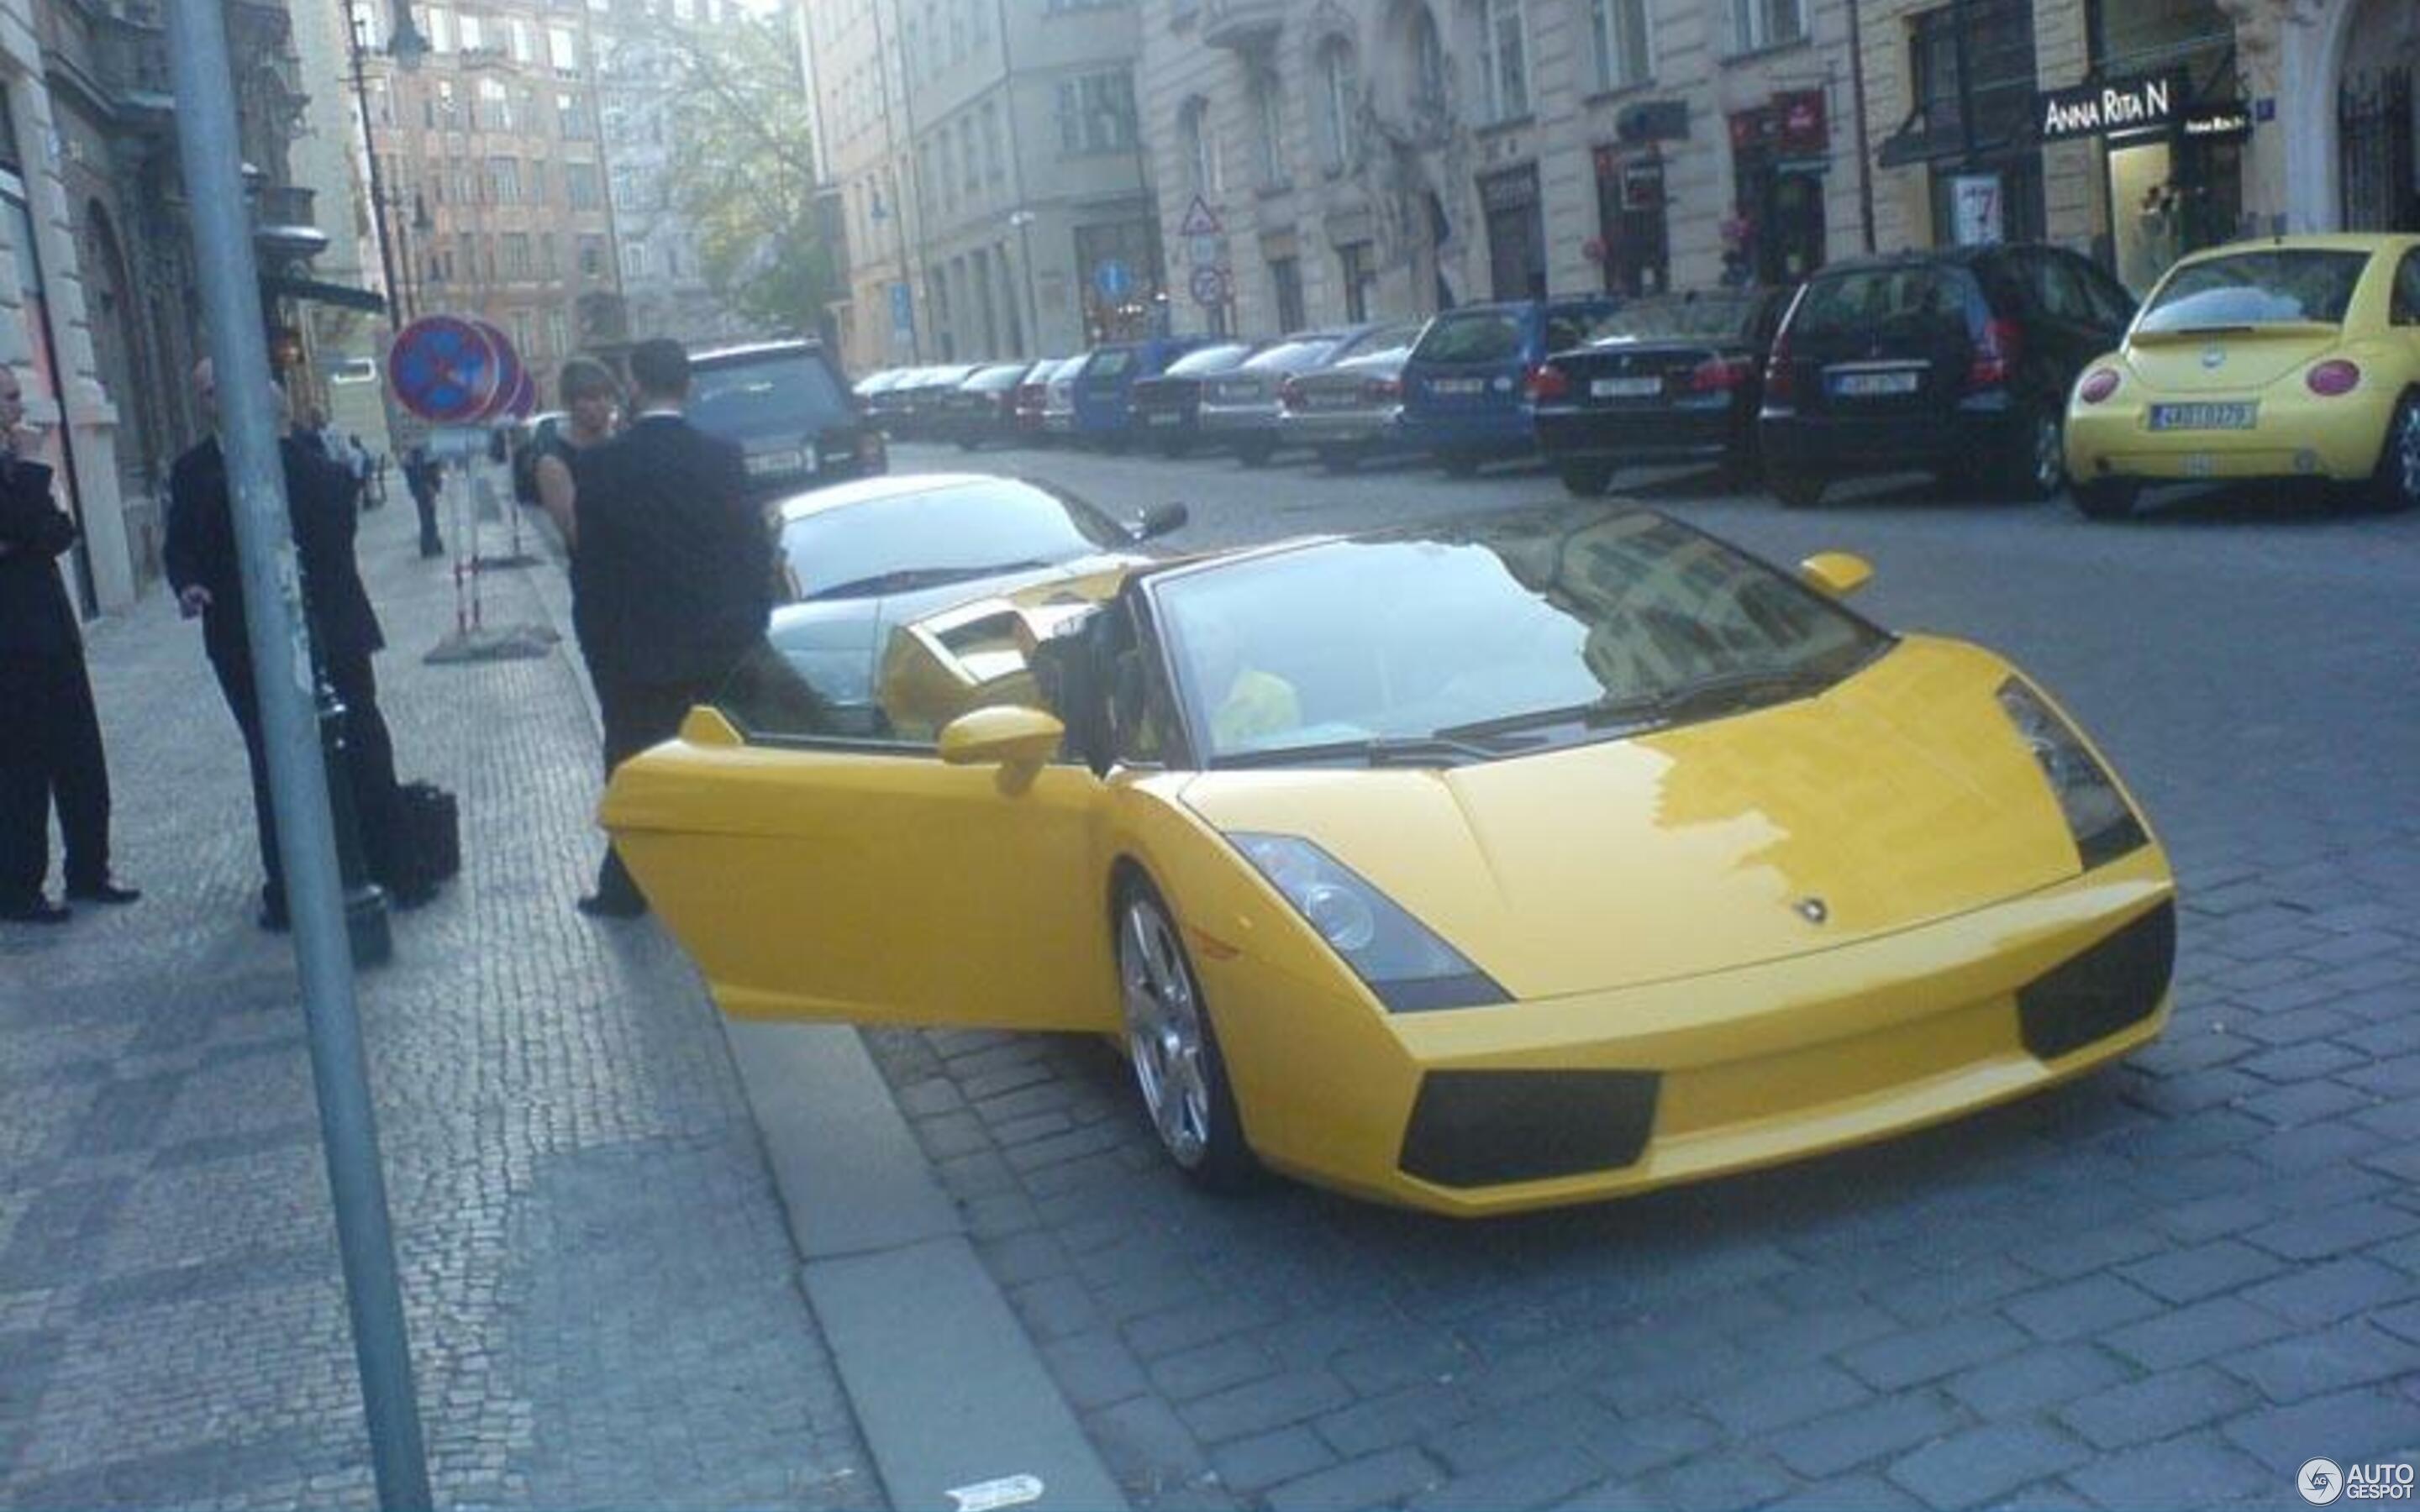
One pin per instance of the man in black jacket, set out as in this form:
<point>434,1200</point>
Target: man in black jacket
<point>673,581</point>
<point>54,749</point>
<point>203,568</point>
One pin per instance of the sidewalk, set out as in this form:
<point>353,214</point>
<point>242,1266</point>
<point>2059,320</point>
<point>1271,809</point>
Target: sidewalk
<point>603,1298</point>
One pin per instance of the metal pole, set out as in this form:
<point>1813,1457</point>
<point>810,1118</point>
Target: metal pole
<point>378,189</point>
<point>1858,104</point>
<point>208,153</point>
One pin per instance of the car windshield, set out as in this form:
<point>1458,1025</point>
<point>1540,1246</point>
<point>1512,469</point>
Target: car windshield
<point>2276,287</point>
<point>1479,336</point>
<point>1208,360</point>
<point>893,543</point>
<point>1504,636</point>
<point>1694,316</point>
<point>791,390</point>
<point>994,379</point>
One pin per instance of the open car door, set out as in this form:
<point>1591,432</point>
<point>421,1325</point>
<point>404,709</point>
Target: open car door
<point>821,859</point>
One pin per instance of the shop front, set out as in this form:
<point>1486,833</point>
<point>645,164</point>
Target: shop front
<point>2163,103</point>
<point>1516,233</point>
<point>1780,151</point>
<point>1632,245</point>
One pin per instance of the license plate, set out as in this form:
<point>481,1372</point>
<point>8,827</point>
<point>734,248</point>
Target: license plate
<point>1457,385</point>
<point>1164,417</point>
<point>761,463</point>
<point>1329,401</point>
<point>1871,385</point>
<point>1625,388</point>
<point>2204,416</point>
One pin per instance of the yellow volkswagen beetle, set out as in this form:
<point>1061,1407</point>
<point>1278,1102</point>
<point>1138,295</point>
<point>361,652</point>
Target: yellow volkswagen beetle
<point>2292,358</point>
<point>1532,859</point>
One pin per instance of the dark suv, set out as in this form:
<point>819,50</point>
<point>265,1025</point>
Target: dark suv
<point>1956,362</point>
<point>791,411</point>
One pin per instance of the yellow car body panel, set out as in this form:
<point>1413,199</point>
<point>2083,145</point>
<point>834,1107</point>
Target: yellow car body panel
<point>2296,433</point>
<point>1640,900</point>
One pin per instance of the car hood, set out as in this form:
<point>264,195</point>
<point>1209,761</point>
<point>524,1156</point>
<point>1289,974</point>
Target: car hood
<point>1899,797</point>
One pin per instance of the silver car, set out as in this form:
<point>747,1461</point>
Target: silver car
<point>1244,409</point>
<point>1346,413</point>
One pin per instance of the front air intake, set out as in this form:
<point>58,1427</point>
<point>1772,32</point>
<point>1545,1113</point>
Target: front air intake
<point>2091,997</point>
<point>1486,1127</point>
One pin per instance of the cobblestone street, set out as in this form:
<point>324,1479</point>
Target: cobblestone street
<point>602,1298</point>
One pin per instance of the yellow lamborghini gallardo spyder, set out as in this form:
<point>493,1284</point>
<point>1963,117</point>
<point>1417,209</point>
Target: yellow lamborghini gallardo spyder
<point>1530,859</point>
<point>2295,358</point>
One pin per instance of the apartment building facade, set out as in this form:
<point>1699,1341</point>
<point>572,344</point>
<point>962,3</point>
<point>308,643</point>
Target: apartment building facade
<point>990,174</point>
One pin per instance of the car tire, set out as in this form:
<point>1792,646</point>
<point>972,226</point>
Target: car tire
<point>1255,454</point>
<point>2038,468</point>
<point>1173,1049</point>
<point>968,444</point>
<point>1338,459</point>
<point>1797,490</point>
<point>2106,498</point>
<point>2396,485</point>
<point>1459,464</point>
<point>1174,449</point>
<point>1586,480</point>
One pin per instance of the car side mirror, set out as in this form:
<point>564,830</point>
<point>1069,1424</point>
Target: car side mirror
<point>1835,574</point>
<point>1004,736</point>
<point>1159,519</point>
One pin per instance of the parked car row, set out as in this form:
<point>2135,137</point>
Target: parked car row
<point>2003,370</point>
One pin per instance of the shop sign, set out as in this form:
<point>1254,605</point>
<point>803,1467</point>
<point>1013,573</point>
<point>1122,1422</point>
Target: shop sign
<point>1976,215</point>
<point>1653,120</point>
<point>1799,128</point>
<point>2217,123</point>
<point>2150,103</point>
<point>1642,185</point>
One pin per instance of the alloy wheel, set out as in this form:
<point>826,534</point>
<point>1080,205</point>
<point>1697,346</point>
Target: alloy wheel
<point>2050,456</point>
<point>1164,1034</point>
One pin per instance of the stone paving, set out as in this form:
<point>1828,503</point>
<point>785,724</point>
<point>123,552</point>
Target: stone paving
<point>2167,1286</point>
<point>601,1293</point>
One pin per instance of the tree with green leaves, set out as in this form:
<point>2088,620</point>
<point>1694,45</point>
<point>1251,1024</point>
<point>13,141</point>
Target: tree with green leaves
<point>743,168</point>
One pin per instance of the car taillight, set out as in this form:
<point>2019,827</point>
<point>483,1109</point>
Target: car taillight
<point>2098,385</point>
<point>1383,390</point>
<point>1720,374</point>
<point>2331,377</point>
<point>1546,383</point>
<point>1780,383</point>
<point>1995,354</point>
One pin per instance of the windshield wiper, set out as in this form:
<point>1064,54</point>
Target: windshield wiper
<point>1704,696</point>
<point>1439,749</point>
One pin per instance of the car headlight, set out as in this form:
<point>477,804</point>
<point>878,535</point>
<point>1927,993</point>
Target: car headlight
<point>2097,814</point>
<point>1397,956</point>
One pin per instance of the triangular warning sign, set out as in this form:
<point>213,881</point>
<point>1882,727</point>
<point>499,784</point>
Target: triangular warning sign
<point>1200,219</point>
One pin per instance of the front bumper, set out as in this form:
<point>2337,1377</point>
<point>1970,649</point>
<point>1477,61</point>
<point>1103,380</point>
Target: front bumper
<point>2337,440</point>
<point>1598,1095</point>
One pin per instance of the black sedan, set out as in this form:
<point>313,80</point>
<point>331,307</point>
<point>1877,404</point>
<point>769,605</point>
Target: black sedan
<point>1166,410</point>
<point>1661,382</point>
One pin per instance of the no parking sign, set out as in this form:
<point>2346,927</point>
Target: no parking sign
<point>453,370</point>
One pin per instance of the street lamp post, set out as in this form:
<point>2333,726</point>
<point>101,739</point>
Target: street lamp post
<point>407,47</point>
<point>1023,221</point>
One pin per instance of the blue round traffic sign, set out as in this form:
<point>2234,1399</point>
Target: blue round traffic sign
<point>444,369</point>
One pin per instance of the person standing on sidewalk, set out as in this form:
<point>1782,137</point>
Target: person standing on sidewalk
<point>204,570</point>
<point>423,474</point>
<point>672,576</point>
<point>52,749</point>
<point>589,397</point>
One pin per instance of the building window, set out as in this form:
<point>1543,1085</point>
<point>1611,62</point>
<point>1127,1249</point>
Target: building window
<point>449,117</point>
<point>473,34</point>
<point>517,254</point>
<point>562,51</point>
<point>592,256</point>
<point>580,185</point>
<point>549,261</point>
<point>1268,111</point>
<point>495,108</point>
<point>571,118</point>
<point>1999,139</point>
<point>1197,140</point>
<point>1358,271</point>
<point>1617,31</point>
<point>505,180</point>
<point>634,259</point>
<point>995,160</point>
<point>1097,114</point>
<point>1505,50</point>
<point>1430,71</point>
<point>1285,283</point>
<point>536,180</point>
<point>558,332</point>
<point>1338,87</point>
<point>1757,24</point>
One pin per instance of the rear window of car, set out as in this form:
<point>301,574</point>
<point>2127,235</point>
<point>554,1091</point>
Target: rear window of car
<point>1109,362</point>
<point>1707,316</point>
<point>997,377</point>
<point>2276,287</point>
<point>1480,337</point>
<point>1287,356</point>
<point>758,394</point>
<point>1874,298</point>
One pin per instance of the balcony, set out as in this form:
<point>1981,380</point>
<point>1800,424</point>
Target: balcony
<point>1244,25</point>
<point>285,226</point>
<point>133,65</point>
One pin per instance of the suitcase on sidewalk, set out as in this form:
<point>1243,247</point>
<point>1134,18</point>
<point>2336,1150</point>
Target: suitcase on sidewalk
<point>427,842</point>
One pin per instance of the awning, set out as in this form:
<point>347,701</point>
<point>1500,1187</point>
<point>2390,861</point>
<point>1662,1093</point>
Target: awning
<point>312,291</point>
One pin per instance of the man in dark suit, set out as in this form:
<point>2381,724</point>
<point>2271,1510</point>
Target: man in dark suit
<point>673,581</point>
<point>54,748</point>
<point>203,568</point>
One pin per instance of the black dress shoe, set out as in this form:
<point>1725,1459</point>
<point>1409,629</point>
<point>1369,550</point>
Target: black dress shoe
<point>104,891</point>
<point>41,910</point>
<point>272,919</point>
<point>599,905</point>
